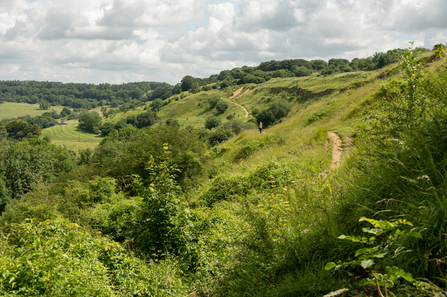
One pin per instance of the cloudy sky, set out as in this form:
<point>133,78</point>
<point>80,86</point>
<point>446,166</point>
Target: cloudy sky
<point>119,41</point>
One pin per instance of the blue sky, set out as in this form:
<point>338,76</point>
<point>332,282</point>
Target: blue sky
<point>158,40</point>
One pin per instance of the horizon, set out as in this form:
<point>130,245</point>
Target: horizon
<point>107,41</point>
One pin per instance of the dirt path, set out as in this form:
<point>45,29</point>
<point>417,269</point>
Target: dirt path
<point>336,149</point>
<point>236,94</point>
<point>336,153</point>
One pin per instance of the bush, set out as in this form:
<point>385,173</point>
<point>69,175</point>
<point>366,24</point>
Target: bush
<point>213,100</point>
<point>106,128</point>
<point>58,258</point>
<point>221,107</point>
<point>219,135</point>
<point>273,113</point>
<point>212,122</point>
<point>227,130</point>
<point>300,71</point>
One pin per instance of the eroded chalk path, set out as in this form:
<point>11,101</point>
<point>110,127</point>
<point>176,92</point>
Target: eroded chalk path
<point>237,94</point>
<point>336,150</point>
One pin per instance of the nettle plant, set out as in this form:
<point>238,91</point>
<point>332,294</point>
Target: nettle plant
<point>383,245</point>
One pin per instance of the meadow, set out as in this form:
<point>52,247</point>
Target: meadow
<point>10,110</point>
<point>71,136</point>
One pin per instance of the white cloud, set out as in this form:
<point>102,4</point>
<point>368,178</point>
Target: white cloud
<point>164,40</point>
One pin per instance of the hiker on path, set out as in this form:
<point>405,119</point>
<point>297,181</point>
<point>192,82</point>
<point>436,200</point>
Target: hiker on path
<point>260,127</point>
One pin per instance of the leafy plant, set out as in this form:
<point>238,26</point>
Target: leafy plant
<point>164,220</point>
<point>383,246</point>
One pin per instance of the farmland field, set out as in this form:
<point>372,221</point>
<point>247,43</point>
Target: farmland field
<point>72,137</point>
<point>10,110</point>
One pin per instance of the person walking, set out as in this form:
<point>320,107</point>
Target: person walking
<point>260,127</point>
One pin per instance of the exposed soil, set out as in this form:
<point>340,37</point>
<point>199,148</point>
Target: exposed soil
<point>302,94</point>
<point>336,150</point>
<point>236,94</point>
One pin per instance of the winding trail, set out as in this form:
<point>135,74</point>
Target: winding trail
<point>237,94</point>
<point>336,153</point>
<point>336,149</point>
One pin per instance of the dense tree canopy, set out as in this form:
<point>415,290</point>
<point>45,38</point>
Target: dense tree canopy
<point>19,129</point>
<point>29,162</point>
<point>79,95</point>
<point>90,121</point>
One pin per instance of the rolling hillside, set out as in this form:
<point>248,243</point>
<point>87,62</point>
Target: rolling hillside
<point>343,195</point>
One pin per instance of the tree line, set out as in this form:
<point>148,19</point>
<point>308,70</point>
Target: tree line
<point>292,68</point>
<point>81,95</point>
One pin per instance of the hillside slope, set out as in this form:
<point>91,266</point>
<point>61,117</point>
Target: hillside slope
<point>258,214</point>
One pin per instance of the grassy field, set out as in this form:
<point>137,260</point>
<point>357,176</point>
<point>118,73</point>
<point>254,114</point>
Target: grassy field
<point>194,109</point>
<point>72,137</point>
<point>10,110</point>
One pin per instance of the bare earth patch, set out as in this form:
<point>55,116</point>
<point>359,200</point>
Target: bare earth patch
<point>337,150</point>
<point>236,94</point>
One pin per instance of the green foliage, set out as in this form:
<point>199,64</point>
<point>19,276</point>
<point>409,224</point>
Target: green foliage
<point>383,246</point>
<point>319,114</point>
<point>273,113</point>
<point>228,129</point>
<point>246,151</point>
<point>213,100</point>
<point>44,105</point>
<point>27,163</point>
<point>106,128</point>
<point>212,122</point>
<point>90,121</point>
<point>142,120</point>
<point>221,107</point>
<point>398,170</point>
<point>439,50</point>
<point>283,73</point>
<point>156,105</point>
<point>120,124</point>
<point>20,129</point>
<point>219,135</point>
<point>187,82</point>
<point>228,82</point>
<point>318,64</point>
<point>3,132</point>
<point>300,71</point>
<point>57,258</point>
<point>195,88</point>
<point>407,113</point>
<point>164,220</point>
<point>261,221</point>
<point>125,152</point>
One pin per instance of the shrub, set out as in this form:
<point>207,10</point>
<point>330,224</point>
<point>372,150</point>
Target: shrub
<point>300,71</point>
<point>106,128</point>
<point>218,136</point>
<point>213,100</point>
<point>73,262</point>
<point>221,107</point>
<point>212,122</point>
<point>273,113</point>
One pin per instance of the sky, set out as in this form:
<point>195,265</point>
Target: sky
<point>118,41</point>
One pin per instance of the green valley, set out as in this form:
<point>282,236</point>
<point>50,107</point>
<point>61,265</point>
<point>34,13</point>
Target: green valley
<point>342,194</point>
